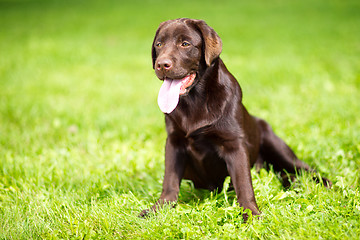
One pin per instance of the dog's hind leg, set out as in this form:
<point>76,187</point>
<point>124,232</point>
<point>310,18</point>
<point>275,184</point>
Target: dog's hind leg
<point>276,152</point>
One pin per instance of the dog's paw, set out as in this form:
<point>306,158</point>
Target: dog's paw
<point>144,213</point>
<point>327,183</point>
<point>249,215</point>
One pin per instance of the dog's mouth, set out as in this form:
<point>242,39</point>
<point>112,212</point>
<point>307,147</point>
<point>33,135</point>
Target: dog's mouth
<point>171,90</point>
<point>186,83</point>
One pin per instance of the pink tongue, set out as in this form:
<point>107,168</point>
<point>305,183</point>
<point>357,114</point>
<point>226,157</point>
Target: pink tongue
<point>168,97</point>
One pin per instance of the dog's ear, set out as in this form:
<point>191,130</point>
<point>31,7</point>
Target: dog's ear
<point>212,41</point>
<point>153,52</point>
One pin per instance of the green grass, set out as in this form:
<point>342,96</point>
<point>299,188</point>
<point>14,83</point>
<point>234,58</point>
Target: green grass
<point>82,138</point>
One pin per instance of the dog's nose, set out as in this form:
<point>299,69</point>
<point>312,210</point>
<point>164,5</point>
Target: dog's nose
<point>164,64</point>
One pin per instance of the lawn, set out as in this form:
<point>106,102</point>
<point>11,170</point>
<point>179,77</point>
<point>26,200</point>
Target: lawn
<point>82,138</point>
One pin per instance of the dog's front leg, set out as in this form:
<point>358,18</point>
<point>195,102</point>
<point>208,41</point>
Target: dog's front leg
<point>175,160</point>
<point>238,166</point>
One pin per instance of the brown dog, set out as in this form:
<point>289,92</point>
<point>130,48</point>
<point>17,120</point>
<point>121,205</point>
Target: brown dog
<point>210,133</point>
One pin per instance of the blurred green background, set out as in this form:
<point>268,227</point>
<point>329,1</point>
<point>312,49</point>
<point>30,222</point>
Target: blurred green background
<point>81,136</point>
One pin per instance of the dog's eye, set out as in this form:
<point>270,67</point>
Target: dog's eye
<point>159,44</point>
<point>185,44</point>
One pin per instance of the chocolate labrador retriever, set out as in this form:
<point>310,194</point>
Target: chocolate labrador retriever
<point>210,133</point>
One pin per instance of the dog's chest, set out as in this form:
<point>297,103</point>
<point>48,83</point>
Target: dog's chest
<point>199,148</point>
<point>202,148</point>
<point>202,139</point>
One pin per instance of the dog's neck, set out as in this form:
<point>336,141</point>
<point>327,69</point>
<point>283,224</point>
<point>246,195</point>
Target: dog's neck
<point>202,105</point>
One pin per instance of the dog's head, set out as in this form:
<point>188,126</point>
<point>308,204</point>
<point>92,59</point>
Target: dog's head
<point>181,48</point>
